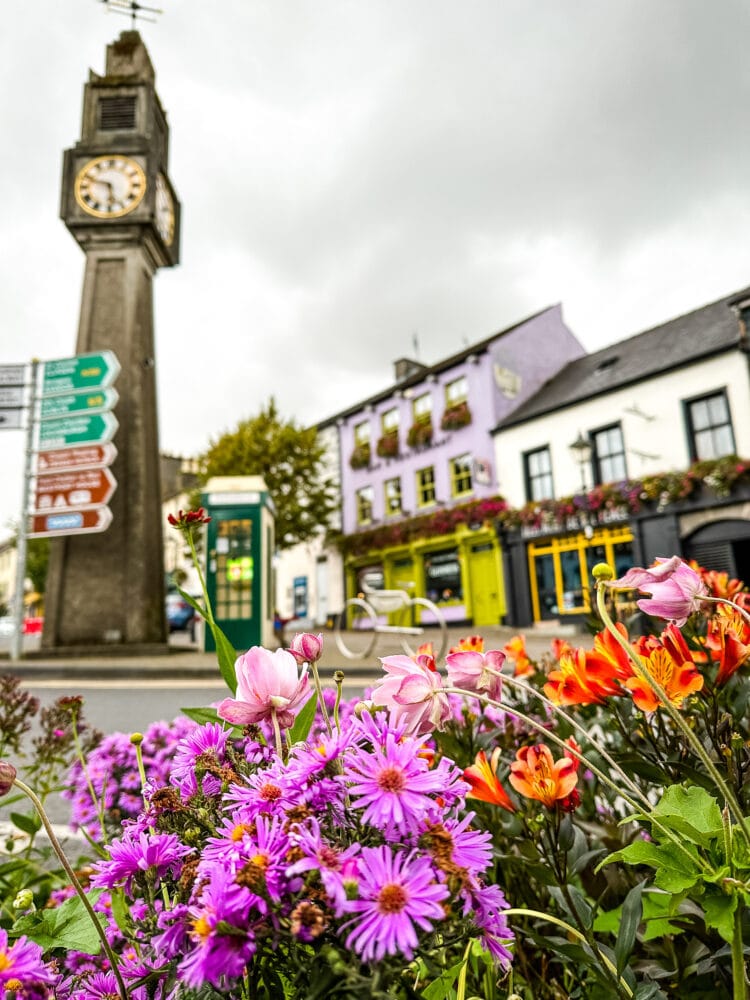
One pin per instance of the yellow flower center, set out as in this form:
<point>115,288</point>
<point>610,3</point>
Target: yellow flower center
<point>392,898</point>
<point>5,961</point>
<point>202,928</point>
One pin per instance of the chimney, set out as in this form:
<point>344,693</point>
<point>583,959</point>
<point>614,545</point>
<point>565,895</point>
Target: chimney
<point>404,368</point>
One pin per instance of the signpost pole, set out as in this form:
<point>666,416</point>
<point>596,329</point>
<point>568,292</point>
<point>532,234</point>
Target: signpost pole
<point>17,637</point>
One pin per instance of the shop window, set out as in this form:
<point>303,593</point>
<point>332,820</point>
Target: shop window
<point>426,486</point>
<point>538,474</point>
<point>362,433</point>
<point>422,409</point>
<point>710,426</point>
<point>456,392</point>
<point>609,454</point>
<point>389,421</point>
<point>392,497</point>
<point>561,577</point>
<point>442,577</point>
<point>461,475</point>
<point>364,505</point>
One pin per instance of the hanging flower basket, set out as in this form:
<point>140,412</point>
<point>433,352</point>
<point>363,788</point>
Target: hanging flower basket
<point>387,446</point>
<point>456,417</point>
<point>360,457</point>
<point>419,435</point>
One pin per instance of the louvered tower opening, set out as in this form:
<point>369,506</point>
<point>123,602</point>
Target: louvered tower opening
<point>116,114</point>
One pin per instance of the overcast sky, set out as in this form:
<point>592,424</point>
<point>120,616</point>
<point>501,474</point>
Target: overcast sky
<point>355,173</point>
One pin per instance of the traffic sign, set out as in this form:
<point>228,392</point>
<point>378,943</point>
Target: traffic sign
<point>82,371</point>
<point>88,401</point>
<point>13,374</point>
<point>11,419</point>
<point>89,428</point>
<point>92,456</point>
<point>12,395</point>
<point>70,522</point>
<point>82,488</point>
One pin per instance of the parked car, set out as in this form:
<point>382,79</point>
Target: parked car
<point>180,614</point>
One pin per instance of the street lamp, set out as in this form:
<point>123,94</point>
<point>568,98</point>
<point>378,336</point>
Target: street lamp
<point>581,449</point>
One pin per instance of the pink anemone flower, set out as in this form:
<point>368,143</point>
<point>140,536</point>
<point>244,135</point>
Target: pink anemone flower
<point>477,672</point>
<point>413,691</point>
<point>267,683</point>
<point>675,589</point>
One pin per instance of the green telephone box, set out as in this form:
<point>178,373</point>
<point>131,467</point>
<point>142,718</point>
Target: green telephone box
<point>239,551</point>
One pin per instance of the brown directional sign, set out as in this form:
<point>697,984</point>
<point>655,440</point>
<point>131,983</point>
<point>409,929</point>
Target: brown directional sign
<point>70,522</point>
<point>87,456</point>
<point>80,488</point>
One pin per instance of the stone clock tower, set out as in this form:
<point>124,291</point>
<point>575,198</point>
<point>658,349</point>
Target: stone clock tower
<point>107,589</point>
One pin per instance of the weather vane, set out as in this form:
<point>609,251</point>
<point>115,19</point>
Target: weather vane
<point>131,9</point>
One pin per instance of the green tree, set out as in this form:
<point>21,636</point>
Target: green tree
<point>37,561</point>
<point>291,460</point>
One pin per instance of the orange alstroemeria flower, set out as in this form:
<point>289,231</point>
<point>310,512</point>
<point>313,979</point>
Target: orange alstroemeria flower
<point>670,662</point>
<point>728,639</point>
<point>582,679</point>
<point>719,584</point>
<point>426,654</point>
<point>535,774</point>
<point>609,650</point>
<point>470,644</point>
<point>515,650</point>
<point>485,785</point>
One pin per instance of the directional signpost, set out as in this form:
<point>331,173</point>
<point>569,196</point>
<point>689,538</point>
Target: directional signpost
<point>13,381</point>
<point>70,522</point>
<point>75,450</point>
<point>94,428</point>
<point>91,456</point>
<point>81,488</point>
<point>80,373</point>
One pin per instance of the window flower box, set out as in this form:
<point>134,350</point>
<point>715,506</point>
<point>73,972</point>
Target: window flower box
<point>387,446</point>
<point>420,434</point>
<point>456,417</point>
<point>360,457</point>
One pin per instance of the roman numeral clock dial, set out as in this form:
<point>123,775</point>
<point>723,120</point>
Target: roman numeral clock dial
<point>109,187</point>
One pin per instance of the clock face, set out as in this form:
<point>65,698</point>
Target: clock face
<point>110,186</point>
<point>164,211</point>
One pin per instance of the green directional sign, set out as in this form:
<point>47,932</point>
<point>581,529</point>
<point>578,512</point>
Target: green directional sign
<point>90,401</point>
<point>89,428</point>
<point>81,372</point>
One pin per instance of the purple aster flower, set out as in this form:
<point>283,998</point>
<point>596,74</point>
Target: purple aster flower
<point>393,785</point>
<point>328,860</point>
<point>485,905</point>
<point>398,892</point>
<point>221,938</point>
<point>156,854</point>
<point>209,740</point>
<point>100,986</point>
<point>455,844</point>
<point>22,961</point>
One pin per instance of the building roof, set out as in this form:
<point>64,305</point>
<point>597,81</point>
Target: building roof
<point>419,376</point>
<point>712,329</point>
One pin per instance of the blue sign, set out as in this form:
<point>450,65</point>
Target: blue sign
<point>59,522</point>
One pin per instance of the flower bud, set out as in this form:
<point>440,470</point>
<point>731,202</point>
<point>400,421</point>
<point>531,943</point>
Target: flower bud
<point>306,647</point>
<point>24,900</point>
<point>7,777</point>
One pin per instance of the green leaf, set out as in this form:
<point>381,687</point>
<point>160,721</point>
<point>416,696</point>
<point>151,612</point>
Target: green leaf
<point>227,655</point>
<point>68,926</point>
<point>303,723</point>
<point>30,824</point>
<point>121,911</point>
<point>719,912</point>
<point>442,988</point>
<point>191,601</point>
<point>674,871</point>
<point>632,912</point>
<point>691,812</point>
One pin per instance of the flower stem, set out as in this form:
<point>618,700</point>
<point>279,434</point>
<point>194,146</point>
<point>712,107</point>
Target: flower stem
<point>548,734</point>
<point>675,716</point>
<point>522,912</point>
<point>277,733</point>
<point>57,847</point>
<point>321,700</point>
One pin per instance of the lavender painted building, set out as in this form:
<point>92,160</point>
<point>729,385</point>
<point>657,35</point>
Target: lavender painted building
<point>422,449</point>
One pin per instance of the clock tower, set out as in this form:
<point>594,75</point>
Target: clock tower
<point>107,589</point>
